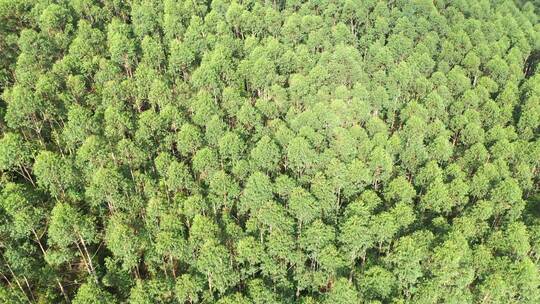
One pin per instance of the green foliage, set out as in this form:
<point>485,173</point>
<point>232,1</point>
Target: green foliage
<point>90,293</point>
<point>269,151</point>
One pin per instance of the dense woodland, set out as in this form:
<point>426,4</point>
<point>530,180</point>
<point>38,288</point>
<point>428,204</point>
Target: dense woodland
<point>321,151</point>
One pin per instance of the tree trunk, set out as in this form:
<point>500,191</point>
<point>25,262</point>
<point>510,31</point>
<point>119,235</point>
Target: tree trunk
<point>17,281</point>
<point>7,280</point>
<point>29,289</point>
<point>84,259</point>
<point>62,290</point>
<point>24,172</point>
<point>171,260</point>
<point>38,241</point>
<point>89,257</point>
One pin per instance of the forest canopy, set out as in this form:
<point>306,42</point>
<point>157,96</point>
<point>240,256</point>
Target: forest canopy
<point>285,151</point>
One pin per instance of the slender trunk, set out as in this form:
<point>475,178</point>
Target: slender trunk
<point>7,280</point>
<point>89,257</point>
<point>165,270</point>
<point>111,207</point>
<point>84,258</point>
<point>137,273</point>
<point>38,241</point>
<point>454,140</point>
<point>17,281</point>
<point>62,290</point>
<point>26,175</point>
<point>29,176</point>
<point>29,289</point>
<point>132,176</point>
<point>171,260</point>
